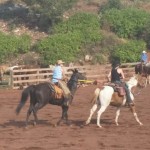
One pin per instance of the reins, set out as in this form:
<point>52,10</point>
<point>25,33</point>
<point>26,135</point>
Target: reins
<point>86,81</point>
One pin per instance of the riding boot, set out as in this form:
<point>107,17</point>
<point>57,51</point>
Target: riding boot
<point>128,98</point>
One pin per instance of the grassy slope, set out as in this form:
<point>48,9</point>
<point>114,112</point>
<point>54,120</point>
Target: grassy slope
<point>82,5</point>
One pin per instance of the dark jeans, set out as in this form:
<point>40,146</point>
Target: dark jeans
<point>124,85</point>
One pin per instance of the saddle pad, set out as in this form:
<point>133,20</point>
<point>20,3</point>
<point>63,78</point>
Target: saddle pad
<point>58,92</point>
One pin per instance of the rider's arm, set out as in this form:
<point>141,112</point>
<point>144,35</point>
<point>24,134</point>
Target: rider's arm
<point>121,72</point>
<point>64,77</point>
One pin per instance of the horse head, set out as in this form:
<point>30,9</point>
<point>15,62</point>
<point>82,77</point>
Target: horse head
<point>137,80</point>
<point>72,83</point>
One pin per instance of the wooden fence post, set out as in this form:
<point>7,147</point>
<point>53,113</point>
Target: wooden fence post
<point>11,84</point>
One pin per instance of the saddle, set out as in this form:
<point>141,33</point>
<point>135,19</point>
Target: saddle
<point>118,88</point>
<point>58,92</point>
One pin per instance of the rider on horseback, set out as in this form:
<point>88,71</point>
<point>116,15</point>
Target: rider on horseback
<point>144,57</point>
<point>58,77</point>
<point>115,76</point>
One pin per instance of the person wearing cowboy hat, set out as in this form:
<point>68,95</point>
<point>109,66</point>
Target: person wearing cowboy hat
<point>115,76</point>
<point>144,57</point>
<point>57,79</point>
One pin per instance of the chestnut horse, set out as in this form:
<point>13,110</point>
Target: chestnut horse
<point>107,96</point>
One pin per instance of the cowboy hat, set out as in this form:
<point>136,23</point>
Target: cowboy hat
<point>144,52</point>
<point>60,62</point>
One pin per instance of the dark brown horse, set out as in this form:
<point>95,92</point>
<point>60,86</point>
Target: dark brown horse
<point>144,71</point>
<point>44,93</point>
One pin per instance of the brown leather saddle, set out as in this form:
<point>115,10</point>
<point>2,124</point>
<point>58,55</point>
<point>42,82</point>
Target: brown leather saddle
<point>118,88</point>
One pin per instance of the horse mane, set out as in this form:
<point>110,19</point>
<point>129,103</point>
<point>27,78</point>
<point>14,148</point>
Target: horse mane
<point>132,82</point>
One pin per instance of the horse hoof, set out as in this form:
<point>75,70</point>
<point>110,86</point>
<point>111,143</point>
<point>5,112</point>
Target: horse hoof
<point>87,122</point>
<point>99,126</point>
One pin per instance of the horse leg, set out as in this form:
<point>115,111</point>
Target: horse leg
<point>35,109</point>
<point>64,115</point>
<point>93,109</point>
<point>99,113</point>
<point>148,79</point>
<point>135,114</point>
<point>117,115</point>
<point>28,114</point>
<point>35,115</point>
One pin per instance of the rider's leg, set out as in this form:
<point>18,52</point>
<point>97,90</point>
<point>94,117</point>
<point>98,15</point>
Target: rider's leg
<point>129,100</point>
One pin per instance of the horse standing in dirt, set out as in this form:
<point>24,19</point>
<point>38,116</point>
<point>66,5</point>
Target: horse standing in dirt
<point>44,93</point>
<point>144,71</point>
<point>107,96</point>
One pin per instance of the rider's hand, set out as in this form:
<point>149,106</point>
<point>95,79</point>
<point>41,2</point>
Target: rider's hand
<point>65,78</point>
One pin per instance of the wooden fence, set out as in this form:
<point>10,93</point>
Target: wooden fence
<point>25,77</point>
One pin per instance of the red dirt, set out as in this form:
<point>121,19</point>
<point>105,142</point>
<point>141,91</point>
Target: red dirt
<point>128,136</point>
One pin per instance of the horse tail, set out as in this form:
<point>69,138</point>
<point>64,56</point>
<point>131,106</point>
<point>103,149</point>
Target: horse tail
<point>25,94</point>
<point>96,94</point>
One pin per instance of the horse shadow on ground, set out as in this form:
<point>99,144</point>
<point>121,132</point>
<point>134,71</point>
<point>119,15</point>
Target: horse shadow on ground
<point>78,123</point>
<point>81,123</point>
<point>20,124</point>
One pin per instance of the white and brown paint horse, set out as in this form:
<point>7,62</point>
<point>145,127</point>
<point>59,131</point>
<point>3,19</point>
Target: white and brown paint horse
<point>107,96</point>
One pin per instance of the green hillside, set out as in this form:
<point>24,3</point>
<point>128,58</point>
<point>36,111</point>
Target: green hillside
<point>40,32</point>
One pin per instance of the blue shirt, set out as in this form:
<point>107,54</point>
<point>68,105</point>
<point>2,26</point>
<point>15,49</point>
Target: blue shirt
<point>144,57</point>
<point>57,74</point>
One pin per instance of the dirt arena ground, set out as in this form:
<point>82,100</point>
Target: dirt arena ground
<point>128,136</point>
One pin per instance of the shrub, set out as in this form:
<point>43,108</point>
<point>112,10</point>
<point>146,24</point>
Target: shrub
<point>129,52</point>
<point>69,38</point>
<point>47,13</point>
<point>111,4</point>
<point>11,45</point>
<point>126,23</point>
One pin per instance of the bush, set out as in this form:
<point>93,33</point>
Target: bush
<point>60,46</point>
<point>11,45</point>
<point>69,38</point>
<point>129,52</point>
<point>145,34</point>
<point>50,12</point>
<point>111,4</point>
<point>126,23</point>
